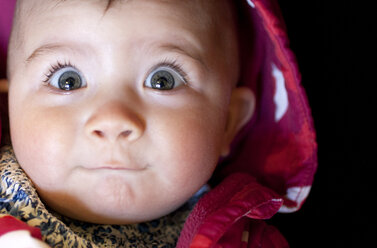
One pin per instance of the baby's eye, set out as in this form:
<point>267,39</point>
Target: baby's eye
<point>164,78</point>
<point>67,78</point>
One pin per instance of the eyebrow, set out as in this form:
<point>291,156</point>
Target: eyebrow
<point>45,49</point>
<point>180,50</point>
<point>51,48</point>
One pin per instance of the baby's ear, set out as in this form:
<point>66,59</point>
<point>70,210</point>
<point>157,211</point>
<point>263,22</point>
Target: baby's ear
<point>3,86</point>
<point>241,109</point>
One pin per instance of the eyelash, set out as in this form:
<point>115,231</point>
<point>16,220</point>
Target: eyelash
<point>173,64</point>
<point>54,68</point>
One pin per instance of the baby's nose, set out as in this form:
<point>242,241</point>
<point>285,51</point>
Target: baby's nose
<point>114,122</point>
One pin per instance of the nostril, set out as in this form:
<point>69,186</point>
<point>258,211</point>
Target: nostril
<point>125,134</point>
<point>103,134</point>
<point>98,133</point>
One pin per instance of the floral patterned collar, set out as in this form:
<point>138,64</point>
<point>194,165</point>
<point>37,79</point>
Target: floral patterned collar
<point>19,198</point>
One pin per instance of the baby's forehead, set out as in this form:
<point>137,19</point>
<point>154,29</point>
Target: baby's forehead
<point>208,15</point>
<point>204,13</point>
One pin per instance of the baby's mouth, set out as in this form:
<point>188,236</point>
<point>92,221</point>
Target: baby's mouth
<point>118,166</point>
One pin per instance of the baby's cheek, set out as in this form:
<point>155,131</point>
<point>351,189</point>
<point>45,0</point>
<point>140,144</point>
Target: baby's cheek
<point>40,142</point>
<point>193,150</point>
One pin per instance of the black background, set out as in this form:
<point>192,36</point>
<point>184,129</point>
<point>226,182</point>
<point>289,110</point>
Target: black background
<point>335,45</point>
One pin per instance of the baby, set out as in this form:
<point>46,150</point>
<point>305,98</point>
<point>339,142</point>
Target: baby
<point>120,110</point>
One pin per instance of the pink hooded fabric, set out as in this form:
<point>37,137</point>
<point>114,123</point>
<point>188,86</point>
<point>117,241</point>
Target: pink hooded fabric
<point>6,13</point>
<point>274,158</point>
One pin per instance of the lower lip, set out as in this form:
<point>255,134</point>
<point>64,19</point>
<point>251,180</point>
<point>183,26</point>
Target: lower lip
<point>116,169</point>
<point>119,169</point>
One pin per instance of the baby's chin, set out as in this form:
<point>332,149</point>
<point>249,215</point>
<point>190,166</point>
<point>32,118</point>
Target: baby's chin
<point>106,212</point>
<point>110,216</point>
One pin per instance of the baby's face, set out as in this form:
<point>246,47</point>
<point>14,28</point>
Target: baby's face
<point>120,116</point>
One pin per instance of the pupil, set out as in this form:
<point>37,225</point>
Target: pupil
<point>69,81</point>
<point>162,80</point>
<point>161,83</point>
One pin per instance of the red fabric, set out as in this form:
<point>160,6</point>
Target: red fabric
<point>263,235</point>
<point>223,209</point>
<point>10,224</point>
